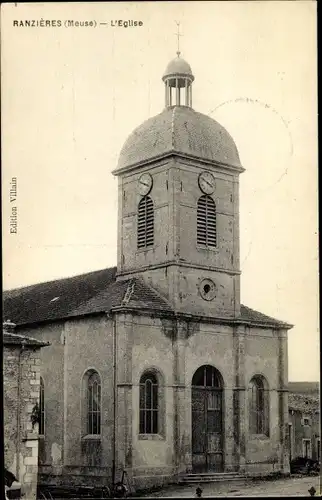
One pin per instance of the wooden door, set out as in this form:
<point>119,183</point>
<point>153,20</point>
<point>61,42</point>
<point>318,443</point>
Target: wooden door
<point>207,428</point>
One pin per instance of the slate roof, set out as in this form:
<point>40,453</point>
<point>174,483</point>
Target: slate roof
<point>80,295</point>
<point>92,293</point>
<point>250,315</point>
<point>10,338</point>
<point>304,387</point>
<point>179,130</point>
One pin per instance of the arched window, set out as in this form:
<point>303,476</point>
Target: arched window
<point>258,395</point>
<point>206,222</point>
<point>145,223</point>
<point>149,404</point>
<point>93,404</point>
<point>41,408</point>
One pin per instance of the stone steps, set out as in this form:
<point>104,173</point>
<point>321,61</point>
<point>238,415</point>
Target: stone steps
<point>211,477</point>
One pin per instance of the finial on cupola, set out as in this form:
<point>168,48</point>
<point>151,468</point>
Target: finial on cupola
<point>178,78</point>
<point>178,35</point>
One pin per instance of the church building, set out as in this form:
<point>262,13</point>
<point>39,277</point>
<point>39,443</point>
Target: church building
<point>154,367</point>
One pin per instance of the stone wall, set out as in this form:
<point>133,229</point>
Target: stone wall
<point>21,371</point>
<point>52,373</point>
<point>175,349</point>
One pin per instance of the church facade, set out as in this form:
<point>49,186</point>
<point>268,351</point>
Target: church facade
<point>155,368</point>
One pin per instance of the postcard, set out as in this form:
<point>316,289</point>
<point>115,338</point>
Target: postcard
<point>160,248</point>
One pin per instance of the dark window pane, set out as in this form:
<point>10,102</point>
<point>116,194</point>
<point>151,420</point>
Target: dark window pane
<point>148,394</point>
<point>94,423</point>
<point>209,377</point>
<point>148,429</point>
<point>142,396</point>
<point>90,399</point>
<point>148,376</point>
<point>142,421</point>
<point>90,424</point>
<point>198,378</point>
<point>155,397</point>
<point>155,422</point>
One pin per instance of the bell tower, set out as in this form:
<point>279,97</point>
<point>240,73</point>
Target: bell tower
<point>178,219</point>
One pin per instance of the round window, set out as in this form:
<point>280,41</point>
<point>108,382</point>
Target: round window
<point>207,289</point>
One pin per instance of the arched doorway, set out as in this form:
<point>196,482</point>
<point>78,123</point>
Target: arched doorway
<point>207,420</point>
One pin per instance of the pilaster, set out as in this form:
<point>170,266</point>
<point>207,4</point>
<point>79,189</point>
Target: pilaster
<point>124,339</point>
<point>283,401</point>
<point>239,399</point>
<point>182,427</point>
<point>236,245</point>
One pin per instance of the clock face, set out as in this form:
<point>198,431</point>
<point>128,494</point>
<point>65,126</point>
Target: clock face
<point>207,182</point>
<point>145,184</point>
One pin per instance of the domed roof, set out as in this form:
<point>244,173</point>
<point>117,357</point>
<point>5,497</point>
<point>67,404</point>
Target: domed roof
<point>179,129</point>
<point>178,66</point>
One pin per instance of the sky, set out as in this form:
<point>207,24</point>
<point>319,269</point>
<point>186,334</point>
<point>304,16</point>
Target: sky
<point>71,97</point>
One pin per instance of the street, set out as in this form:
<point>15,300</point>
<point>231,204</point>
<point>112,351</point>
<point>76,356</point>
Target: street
<point>296,486</point>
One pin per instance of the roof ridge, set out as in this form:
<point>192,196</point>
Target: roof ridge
<point>65,278</point>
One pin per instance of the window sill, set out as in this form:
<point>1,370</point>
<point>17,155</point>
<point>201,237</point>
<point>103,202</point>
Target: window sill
<point>92,437</point>
<point>146,249</point>
<point>207,249</point>
<point>261,437</point>
<point>30,436</point>
<point>151,437</point>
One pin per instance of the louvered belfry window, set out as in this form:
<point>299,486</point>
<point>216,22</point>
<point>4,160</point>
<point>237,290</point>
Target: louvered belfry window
<point>145,223</point>
<point>206,222</point>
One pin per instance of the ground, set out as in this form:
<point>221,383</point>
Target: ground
<point>295,486</point>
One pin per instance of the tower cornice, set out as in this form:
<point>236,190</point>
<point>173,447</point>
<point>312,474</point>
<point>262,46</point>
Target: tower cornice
<point>170,263</point>
<point>157,161</point>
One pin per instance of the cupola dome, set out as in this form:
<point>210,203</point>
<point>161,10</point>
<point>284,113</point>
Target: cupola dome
<point>179,129</point>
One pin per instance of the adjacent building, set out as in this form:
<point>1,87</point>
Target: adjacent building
<point>21,401</point>
<point>304,420</point>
